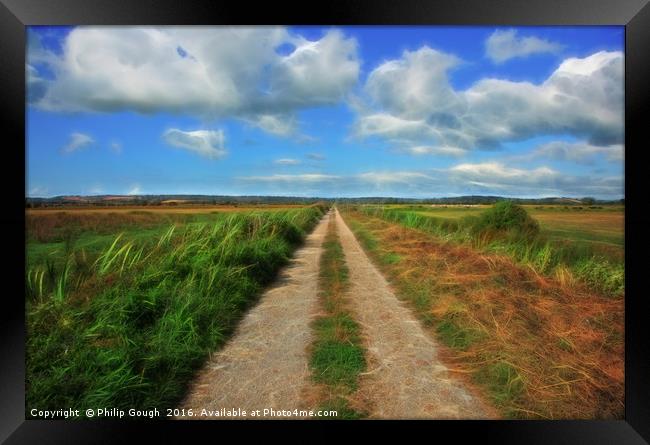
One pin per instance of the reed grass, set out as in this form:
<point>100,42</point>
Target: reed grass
<point>128,327</point>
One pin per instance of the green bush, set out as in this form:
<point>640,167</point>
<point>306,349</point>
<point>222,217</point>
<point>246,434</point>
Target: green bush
<point>505,216</point>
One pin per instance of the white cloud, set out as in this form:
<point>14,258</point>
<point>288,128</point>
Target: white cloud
<point>38,191</point>
<point>316,72</point>
<point>438,151</point>
<point>578,152</point>
<point>206,143</point>
<point>300,178</point>
<point>410,102</point>
<point>496,171</point>
<point>135,190</point>
<point>280,125</point>
<point>287,161</point>
<point>483,178</point>
<point>35,84</point>
<point>504,45</point>
<point>393,177</point>
<point>77,141</point>
<point>207,71</point>
<point>414,85</point>
<point>389,126</point>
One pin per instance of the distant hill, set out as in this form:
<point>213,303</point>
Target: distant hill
<point>175,200</point>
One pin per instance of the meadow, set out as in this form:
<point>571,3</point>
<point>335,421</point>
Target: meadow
<point>573,242</point>
<point>123,307</point>
<point>536,338</point>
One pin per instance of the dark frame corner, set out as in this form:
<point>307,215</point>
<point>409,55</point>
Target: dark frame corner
<point>15,15</point>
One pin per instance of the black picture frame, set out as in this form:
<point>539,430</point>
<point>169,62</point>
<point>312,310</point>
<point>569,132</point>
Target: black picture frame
<point>15,15</point>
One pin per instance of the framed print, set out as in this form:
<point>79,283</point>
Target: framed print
<point>376,215</point>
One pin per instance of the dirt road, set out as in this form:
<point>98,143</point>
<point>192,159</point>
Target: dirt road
<point>265,364</point>
<point>405,377</point>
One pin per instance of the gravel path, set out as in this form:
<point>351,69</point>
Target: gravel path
<point>265,364</point>
<point>405,378</point>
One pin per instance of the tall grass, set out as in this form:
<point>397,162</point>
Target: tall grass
<point>520,239</point>
<point>128,328</point>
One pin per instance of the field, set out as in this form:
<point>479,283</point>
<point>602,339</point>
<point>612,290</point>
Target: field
<point>603,225</point>
<point>157,308</point>
<point>539,344</point>
<point>574,242</point>
<point>122,308</point>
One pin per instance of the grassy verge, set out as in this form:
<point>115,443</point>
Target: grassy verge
<point>126,326</point>
<point>536,349</point>
<point>337,356</point>
<point>565,261</point>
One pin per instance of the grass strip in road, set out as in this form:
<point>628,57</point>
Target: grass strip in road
<point>337,355</point>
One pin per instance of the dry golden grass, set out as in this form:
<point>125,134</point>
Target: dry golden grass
<point>185,209</point>
<point>45,225</point>
<point>541,347</point>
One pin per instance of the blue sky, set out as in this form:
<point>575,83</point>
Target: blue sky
<point>321,111</point>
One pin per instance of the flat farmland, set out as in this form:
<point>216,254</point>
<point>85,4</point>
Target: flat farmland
<point>123,307</point>
<point>513,315</point>
<point>603,226</point>
<point>172,306</point>
<point>168,209</point>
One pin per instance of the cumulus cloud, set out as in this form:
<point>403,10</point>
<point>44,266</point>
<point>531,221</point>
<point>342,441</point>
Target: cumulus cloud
<point>35,84</point>
<point>77,141</point>
<point>316,72</point>
<point>578,152</point>
<point>504,45</point>
<point>206,143</point>
<point>287,161</point>
<point>207,71</point>
<point>414,85</point>
<point>410,102</point>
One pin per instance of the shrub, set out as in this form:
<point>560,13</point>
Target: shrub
<point>505,216</point>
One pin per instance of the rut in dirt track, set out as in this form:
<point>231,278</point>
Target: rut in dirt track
<point>265,364</point>
<point>406,378</point>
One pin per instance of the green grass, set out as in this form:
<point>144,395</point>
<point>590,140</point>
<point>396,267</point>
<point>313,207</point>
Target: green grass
<point>125,322</point>
<point>456,335</point>
<point>602,269</point>
<point>574,223</point>
<point>337,355</point>
<point>504,382</point>
<point>337,362</point>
